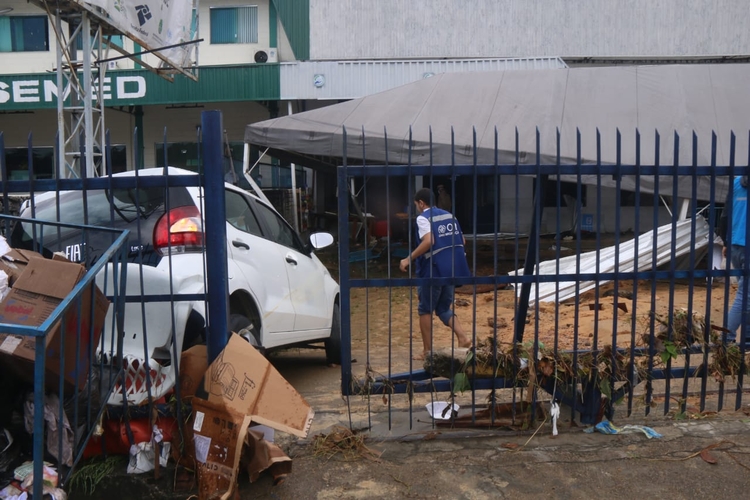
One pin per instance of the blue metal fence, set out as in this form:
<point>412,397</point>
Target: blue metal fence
<point>661,338</point>
<point>91,382</point>
<point>108,368</point>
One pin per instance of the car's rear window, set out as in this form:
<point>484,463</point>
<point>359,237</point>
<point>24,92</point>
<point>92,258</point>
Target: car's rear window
<point>133,209</point>
<point>127,205</point>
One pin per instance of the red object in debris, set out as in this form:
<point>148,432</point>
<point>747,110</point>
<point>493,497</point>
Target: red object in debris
<point>381,229</point>
<point>114,441</point>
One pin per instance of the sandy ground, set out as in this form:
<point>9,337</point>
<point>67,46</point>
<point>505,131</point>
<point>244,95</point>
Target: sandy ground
<point>384,323</point>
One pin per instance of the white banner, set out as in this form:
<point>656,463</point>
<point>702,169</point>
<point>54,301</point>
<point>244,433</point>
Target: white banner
<point>151,23</point>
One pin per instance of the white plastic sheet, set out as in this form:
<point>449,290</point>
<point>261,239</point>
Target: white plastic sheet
<point>603,261</point>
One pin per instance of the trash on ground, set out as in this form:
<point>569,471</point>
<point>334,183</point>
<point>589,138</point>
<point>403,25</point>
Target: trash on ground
<point>239,387</point>
<point>242,380</point>
<point>606,427</point>
<point>143,456</point>
<point>26,470</point>
<point>54,428</point>
<point>259,455</point>
<point>8,453</point>
<point>33,297</point>
<point>114,438</point>
<point>193,366</point>
<point>341,440</point>
<point>10,492</point>
<point>4,285</point>
<point>441,410</point>
<point>218,436</point>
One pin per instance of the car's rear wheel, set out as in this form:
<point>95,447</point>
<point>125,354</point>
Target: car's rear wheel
<point>242,326</point>
<point>333,343</point>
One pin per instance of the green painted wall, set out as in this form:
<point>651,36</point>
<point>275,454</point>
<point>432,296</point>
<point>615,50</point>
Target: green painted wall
<point>258,82</point>
<point>295,17</point>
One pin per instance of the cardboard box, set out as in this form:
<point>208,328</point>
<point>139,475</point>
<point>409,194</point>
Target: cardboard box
<point>14,262</point>
<point>218,437</point>
<point>39,289</point>
<point>245,382</point>
<point>193,366</point>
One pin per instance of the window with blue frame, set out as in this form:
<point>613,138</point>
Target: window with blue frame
<point>234,25</point>
<point>24,34</point>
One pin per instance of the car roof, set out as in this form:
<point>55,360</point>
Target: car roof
<point>154,171</point>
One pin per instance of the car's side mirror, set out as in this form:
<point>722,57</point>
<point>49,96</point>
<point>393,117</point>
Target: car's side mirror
<point>321,240</point>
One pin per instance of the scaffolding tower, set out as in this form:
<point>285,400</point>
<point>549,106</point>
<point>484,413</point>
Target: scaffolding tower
<point>81,132</point>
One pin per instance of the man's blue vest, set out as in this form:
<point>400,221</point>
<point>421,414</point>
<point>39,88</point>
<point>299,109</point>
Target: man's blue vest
<point>739,213</point>
<point>447,259</point>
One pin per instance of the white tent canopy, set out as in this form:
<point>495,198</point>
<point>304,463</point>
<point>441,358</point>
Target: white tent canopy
<point>668,99</point>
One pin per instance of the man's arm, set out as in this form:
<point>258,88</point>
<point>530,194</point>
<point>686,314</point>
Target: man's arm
<point>423,247</point>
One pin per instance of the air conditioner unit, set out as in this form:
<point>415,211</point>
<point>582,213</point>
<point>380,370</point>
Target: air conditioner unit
<point>267,55</point>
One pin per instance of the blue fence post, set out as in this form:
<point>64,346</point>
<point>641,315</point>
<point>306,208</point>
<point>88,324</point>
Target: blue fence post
<point>216,234</point>
<point>40,353</point>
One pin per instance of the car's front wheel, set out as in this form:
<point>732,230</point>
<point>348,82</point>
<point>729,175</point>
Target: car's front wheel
<point>333,343</point>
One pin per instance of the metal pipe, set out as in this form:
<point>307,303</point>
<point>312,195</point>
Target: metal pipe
<point>294,180</point>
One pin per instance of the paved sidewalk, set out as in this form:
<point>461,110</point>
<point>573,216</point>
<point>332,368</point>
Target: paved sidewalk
<point>421,461</point>
<point>571,465</point>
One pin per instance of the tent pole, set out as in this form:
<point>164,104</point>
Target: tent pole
<point>246,172</point>
<point>294,179</point>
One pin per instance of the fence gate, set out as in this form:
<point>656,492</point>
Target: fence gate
<point>127,362</point>
<point>597,286</point>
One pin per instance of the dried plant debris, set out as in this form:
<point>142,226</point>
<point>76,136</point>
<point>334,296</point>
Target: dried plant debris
<point>343,443</point>
<point>530,364</point>
<point>682,328</point>
<point>727,361</point>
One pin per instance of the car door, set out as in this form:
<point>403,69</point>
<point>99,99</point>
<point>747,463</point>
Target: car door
<point>264,271</point>
<point>306,278</point>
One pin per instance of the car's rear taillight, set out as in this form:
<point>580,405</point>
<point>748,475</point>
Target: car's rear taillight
<point>179,231</point>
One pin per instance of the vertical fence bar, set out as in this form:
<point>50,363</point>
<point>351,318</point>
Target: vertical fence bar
<point>632,375</point>
<point>744,289</point>
<point>558,240</point>
<point>344,273</point>
<point>531,252</point>
<point>40,355</point>
<point>516,262</point>
<point>615,309</point>
<point>691,284</point>
<point>576,314</point>
<point>389,271</point>
<point>654,226</point>
<point>496,226</point>
<point>672,268</point>
<point>216,234</point>
<point>4,179</point>
<point>729,246</point>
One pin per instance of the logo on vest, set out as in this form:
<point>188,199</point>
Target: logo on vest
<point>447,229</point>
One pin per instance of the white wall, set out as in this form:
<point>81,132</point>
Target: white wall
<point>525,28</point>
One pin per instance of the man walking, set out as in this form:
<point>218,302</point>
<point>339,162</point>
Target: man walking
<point>439,253</point>
<point>736,237</point>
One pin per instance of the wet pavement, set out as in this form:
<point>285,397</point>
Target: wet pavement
<point>421,460</point>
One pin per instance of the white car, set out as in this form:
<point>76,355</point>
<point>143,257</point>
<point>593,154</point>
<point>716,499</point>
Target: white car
<point>280,294</point>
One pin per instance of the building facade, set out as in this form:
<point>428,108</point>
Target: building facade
<point>267,58</point>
